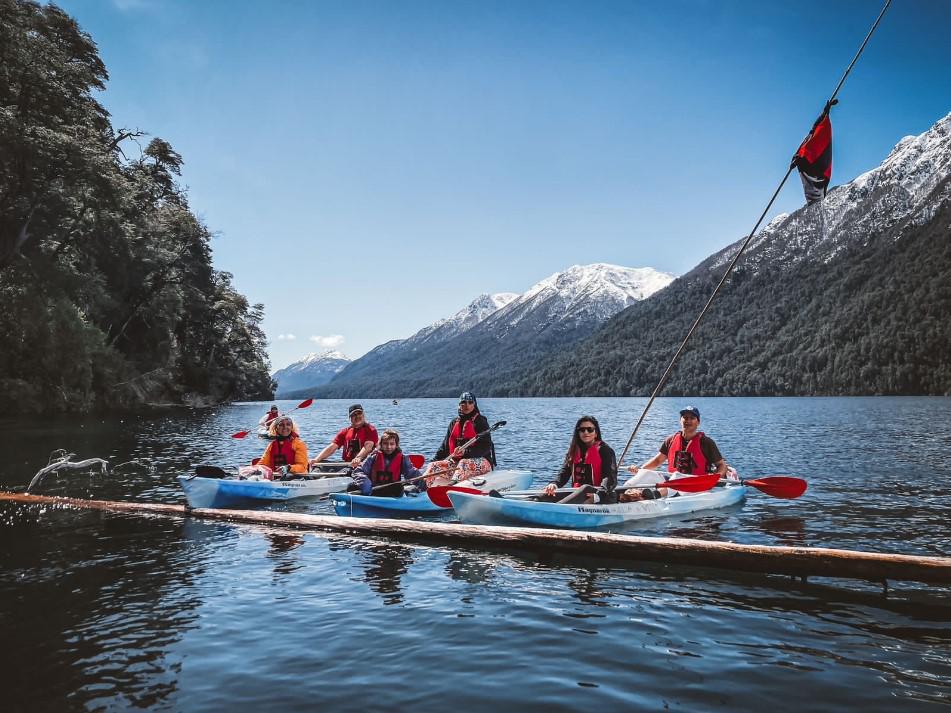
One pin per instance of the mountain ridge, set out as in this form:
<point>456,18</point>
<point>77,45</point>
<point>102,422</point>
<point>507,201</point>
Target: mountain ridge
<point>552,313</point>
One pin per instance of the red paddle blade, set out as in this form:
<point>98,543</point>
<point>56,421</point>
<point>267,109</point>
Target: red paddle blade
<point>417,459</point>
<point>305,404</point>
<point>240,434</point>
<point>439,494</point>
<point>779,486</point>
<point>694,484</point>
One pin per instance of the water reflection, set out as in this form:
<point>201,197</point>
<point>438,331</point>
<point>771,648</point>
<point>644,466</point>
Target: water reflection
<point>584,585</point>
<point>469,568</point>
<point>282,545</point>
<point>789,531</point>
<point>109,597</point>
<point>383,565</point>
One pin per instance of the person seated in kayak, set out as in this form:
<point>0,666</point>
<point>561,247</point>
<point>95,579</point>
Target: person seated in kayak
<point>452,461</point>
<point>388,467</point>
<point>590,464</point>
<point>689,451</point>
<point>286,452</point>
<point>357,440</point>
<point>267,418</point>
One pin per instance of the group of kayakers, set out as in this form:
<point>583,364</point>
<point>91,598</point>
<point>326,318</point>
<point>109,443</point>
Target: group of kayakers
<point>377,462</point>
<point>379,466</point>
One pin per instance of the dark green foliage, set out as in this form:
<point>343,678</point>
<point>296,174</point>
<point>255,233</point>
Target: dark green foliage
<point>106,285</point>
<point>873,320</point>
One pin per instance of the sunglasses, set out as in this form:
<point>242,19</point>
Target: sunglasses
<point>585,429</point>
<point>469,403</point>
<point>356,414</point>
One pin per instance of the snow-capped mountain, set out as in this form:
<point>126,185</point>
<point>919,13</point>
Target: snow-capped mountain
<point>466,318</point>
<point>580,294</point>
<point>313,370</point>
<point>902,193</point>
<point>847,296</point>
<point>497,332</point>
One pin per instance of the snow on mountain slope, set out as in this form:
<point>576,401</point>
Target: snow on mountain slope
<point>897,195</point>
<point>581,293</point>
<point>313,370</point>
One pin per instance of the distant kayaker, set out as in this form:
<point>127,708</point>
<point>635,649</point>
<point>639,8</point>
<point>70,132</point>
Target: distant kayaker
<point>464,463</point>
<point>387,466</point>
<point>357,440</point>
<point>590,464</point>
<point>689,451</point>
<point>268,417</point>
<point>286,450</point>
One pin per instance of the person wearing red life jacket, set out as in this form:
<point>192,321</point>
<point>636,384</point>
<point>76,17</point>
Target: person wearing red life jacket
<point>688,452</point>
<point>387,467</point>
<point>464,463</point>
<point>590,464</point>
<point>286,452</point>
<point>269,417</point>
<point>357,440</point>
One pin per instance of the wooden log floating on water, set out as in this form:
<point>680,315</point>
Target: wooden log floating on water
<point>764,559</point>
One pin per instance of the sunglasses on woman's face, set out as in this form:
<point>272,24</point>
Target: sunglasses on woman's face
<point>585,429</point>
<point>467,403</point>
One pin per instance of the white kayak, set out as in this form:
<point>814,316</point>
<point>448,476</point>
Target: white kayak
<point>229,492</point>
<point>355,505</point>
<point>484,510</point>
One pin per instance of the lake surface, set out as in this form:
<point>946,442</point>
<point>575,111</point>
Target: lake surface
<point>112,612</point>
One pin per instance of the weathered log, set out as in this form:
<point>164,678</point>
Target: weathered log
<point>764,559</point>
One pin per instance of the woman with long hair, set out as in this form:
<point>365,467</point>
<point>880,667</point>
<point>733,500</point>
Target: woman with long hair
<point>589,463</point>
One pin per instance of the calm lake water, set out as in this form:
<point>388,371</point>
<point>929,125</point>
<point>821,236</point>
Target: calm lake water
<point>110,612</point>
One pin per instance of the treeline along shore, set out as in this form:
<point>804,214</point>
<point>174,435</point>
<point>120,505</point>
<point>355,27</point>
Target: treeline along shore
<point>108,294</point>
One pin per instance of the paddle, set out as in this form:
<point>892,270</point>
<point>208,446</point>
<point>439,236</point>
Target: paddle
<point>302,404</point>
<point>448,473</point>
<point>779,486</point>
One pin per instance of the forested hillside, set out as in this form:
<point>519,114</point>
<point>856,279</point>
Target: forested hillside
<point>108,295</point>
<point>858,307</point>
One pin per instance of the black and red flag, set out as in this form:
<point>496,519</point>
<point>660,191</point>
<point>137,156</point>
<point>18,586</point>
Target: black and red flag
<point>814,158</point>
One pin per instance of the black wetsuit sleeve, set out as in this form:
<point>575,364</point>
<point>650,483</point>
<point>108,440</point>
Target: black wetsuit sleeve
<point>608,468</point>
<point>564,474</point>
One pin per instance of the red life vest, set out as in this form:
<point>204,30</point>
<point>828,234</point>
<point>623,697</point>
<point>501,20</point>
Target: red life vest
<point>456,438</point>
<point>587,472</point>
<point>282,452</point>
<point>353,441</point>
<point>689,460</point>
<point>380,475</point>
<point>268,417</point>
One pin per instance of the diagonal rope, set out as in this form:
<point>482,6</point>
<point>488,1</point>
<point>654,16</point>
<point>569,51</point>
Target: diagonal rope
<point>746,242</point>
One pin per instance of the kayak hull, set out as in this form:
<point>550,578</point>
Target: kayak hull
<point>231,492</point>
<point>351,505</point>
<point>482,510</point>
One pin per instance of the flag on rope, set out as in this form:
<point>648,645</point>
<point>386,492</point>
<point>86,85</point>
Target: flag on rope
<point>814,158</point>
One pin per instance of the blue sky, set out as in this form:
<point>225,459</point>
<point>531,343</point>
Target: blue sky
<point>370,167</point>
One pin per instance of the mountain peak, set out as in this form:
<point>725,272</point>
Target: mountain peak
<point>313,370</point>
<point>322,356</point>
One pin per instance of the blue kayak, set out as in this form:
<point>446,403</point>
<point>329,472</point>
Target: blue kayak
<point>484,510</point>
<point>231,492</point>
<point>352,505</point>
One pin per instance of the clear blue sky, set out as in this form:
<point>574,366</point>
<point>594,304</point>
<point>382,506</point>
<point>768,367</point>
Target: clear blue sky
<point>370,167</point>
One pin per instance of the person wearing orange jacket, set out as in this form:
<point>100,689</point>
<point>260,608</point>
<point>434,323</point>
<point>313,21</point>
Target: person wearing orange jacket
<point>286,453</point>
